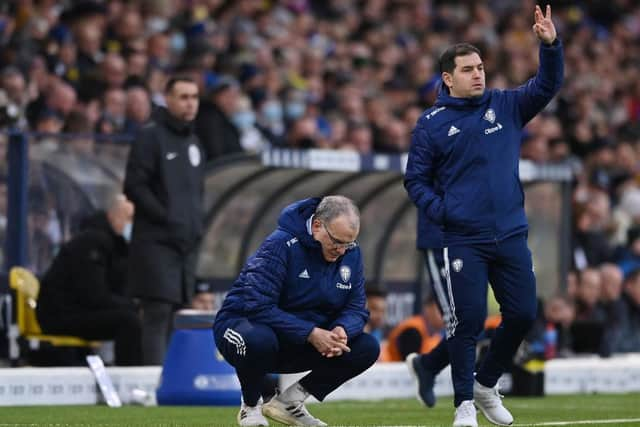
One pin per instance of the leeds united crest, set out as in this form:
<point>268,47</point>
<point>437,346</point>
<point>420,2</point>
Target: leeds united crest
<point>345,273</point>
<point>490,115</point>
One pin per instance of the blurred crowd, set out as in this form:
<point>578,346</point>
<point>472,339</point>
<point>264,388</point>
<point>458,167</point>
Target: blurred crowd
<point>349,75</point>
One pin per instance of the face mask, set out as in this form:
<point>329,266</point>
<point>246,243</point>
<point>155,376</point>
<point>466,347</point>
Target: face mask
<point>157,24</point>
<point>178,42</point>
<point>294,110</point>
<point>126,232</point>
<point>272,112</point>
<point>243,119</point>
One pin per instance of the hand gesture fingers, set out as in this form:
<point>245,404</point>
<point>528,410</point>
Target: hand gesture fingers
<point>329,343</point>
<point>337,350</point>
<point>339,334</point>
<point>538,15</point>
<point>543,27</point>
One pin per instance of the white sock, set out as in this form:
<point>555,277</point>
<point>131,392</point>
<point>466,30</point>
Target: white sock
<point>257,404</point>
<point>295,393</point>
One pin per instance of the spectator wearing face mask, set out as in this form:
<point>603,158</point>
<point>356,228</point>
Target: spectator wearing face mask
<point>251,139</point>
<point>270,120</point>
<point>81,292</point>
<point>295,106</point>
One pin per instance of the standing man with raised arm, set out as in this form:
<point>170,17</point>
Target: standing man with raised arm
<point>462,172</point>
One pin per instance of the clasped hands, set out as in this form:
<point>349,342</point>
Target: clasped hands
<point>331,343</point>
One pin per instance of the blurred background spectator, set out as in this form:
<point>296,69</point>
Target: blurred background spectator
<point>417,334</point>
<point>377,306</point>
<point>204,299</point>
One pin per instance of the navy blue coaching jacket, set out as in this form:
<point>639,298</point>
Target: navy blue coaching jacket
<point>287,284</point>
<point>468,149</point>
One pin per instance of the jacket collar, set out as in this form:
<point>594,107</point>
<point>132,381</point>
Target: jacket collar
<point>446,100</point>
<point>176,125</point>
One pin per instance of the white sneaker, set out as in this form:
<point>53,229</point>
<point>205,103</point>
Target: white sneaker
<point>465,415</point>
<point>489,401</point>
<point>250,416</point>
<point>290,413</point>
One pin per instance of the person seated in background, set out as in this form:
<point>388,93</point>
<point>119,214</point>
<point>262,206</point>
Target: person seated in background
<point>612,277</point>
<point>560,311</point>
<point>79,294</point>
<point>629,256</point>
<point>204,298</point>
<point>417,334</point>
<point>588,328</point>
<point>626,335</point>
<point>377,306</point>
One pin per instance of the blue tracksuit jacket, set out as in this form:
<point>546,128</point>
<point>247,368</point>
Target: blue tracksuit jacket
<point>287,284</point>
<point>430,235</point>
<point>468,149</point>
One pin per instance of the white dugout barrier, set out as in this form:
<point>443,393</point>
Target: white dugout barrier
<point>77,386</point>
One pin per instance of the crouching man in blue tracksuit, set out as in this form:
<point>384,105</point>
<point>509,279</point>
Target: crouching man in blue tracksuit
<point>462,172</point>
<point>298,305</point>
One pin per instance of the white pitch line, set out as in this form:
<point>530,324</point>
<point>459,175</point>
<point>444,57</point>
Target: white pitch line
<point>569,423</point>
<point>546,423</point>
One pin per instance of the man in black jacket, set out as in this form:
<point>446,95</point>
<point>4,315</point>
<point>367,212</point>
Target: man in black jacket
<point>79,293</point>
<point>164,178</point>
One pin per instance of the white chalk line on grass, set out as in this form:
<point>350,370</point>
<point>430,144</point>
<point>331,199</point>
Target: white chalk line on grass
<point>584,422</point>
<point>546,423</point>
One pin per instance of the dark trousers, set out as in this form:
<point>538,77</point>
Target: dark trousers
<point>255,350</point>
<point>468,269</point>
<point>157,326</point>
<point>119,324</point>
<point>438,358</point>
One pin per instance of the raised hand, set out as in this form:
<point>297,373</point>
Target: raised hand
<point>544,28</point>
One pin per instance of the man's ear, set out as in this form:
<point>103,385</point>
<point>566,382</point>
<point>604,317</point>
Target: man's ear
<point>447,79</point>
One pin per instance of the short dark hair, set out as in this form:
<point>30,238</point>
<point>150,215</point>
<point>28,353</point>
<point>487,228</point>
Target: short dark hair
<point>448,57</point>
<point>173,80</point>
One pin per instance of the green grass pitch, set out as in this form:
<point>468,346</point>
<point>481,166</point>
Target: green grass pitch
<point>574,410</point>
